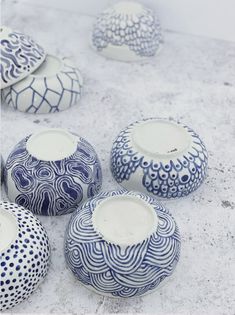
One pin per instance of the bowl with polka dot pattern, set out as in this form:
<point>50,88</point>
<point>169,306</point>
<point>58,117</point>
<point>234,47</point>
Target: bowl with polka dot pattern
<point>163,158</point>
<point>24,254</point>
<point>127,31</point>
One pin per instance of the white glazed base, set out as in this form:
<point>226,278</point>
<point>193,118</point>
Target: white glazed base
<point>8,229</point>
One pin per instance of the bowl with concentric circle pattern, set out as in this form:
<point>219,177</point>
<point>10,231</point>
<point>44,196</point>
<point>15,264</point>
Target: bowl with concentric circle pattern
<point>24,254</point>
<point>20,56</point>
<point>122,244</point>
<point>163,158</point>
<point>127,31</point>
<point>52,171</point>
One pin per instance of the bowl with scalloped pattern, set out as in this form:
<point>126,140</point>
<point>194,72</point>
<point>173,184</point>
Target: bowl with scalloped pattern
<point>122,244</point>
<point>163,158</point>
<point>127,31</point>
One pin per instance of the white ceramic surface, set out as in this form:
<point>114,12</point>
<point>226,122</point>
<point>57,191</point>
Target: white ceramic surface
<point>160,157</point>
<point>20,56</point>
<point>127,31</point>
<point>55,86</point>
<point>52,171</point>
<point>24,254</point>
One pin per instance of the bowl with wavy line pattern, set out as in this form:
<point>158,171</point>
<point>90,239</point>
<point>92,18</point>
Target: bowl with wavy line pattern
<point>122,244</point>
<point>163,158</point>
<point>20,56</point>
<point>52,171</point>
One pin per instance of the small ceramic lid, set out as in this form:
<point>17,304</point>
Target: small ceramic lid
<point>54,86</point>
<point>160,157</point>
<point>20,56</point>
<point>122,244</point>
<point>52,171</point>
<point>127,31</point>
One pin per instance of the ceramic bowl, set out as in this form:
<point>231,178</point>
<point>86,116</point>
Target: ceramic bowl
<point>159,157</point>
<point>127,31</point>
<point>20,56</point>
<point>1,168</point>
<point>122,244</point>
<point>24,254</point>
<point>55,86</point>
<point>51,172</point>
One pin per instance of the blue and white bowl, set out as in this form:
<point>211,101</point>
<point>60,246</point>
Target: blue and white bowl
<point>162,158</point>
<point>1,168</point>
<point>55,86</point>
<point>20,56</point>
<point>127,31</point>
<point>24,254</point>
<point>122,244</point>
<point>51,172</point>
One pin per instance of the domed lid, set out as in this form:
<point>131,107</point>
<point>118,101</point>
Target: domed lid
<point>20,56</point>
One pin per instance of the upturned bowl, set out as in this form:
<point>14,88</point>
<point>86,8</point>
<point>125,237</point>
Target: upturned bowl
<point>20,56</point>
<point>122,244</point>
<point>24,254</point>
<point>163,158</point>
<point>52,171</point>
<point>55,86</point>
<point>127,31</point>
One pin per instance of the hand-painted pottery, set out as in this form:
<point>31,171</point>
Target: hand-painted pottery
<point>51,172</point>
<point>1,168</point>
<point>122,244</point>
<point>159,157</point>
<point>24,254</point>
<point>127,31</point>
<point>55,86</point>
<point>20,56</point>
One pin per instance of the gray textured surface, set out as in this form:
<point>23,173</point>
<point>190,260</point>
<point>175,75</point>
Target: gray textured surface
<point>192,80</point>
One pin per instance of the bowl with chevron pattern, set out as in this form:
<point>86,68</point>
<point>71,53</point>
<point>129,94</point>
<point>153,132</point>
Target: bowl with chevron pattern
<point>20,56</point>
<point>52,171</point>
<point>53,87</point>
<point>122,244</point>
<point>163,158</point>
<point>127,31</point>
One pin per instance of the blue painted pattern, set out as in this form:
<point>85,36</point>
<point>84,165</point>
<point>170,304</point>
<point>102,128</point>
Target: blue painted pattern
<point>24,264</point>
<point>47,94</point>
<point>53,187</point>
<point>19,56</point>
<point>121,271</point>
<point>175,178</point>
<point>141,33</point>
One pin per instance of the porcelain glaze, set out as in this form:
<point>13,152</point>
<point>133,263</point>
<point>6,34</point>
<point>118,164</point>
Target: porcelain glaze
<point>159,157</point>
<point>127,31</point>
<point>55,86</point>
<point>20,56</point>
<point>52,172</point>
<point>24,254</point>
<point>122,244</point>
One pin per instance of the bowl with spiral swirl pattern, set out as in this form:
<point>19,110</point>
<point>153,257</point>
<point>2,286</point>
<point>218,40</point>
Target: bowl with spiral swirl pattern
<point>163,158</point>
<point>20,56</point>
<point>127,31</point>
<point>122,244</point>
<point>52,171</point>
<point>24,254</point>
